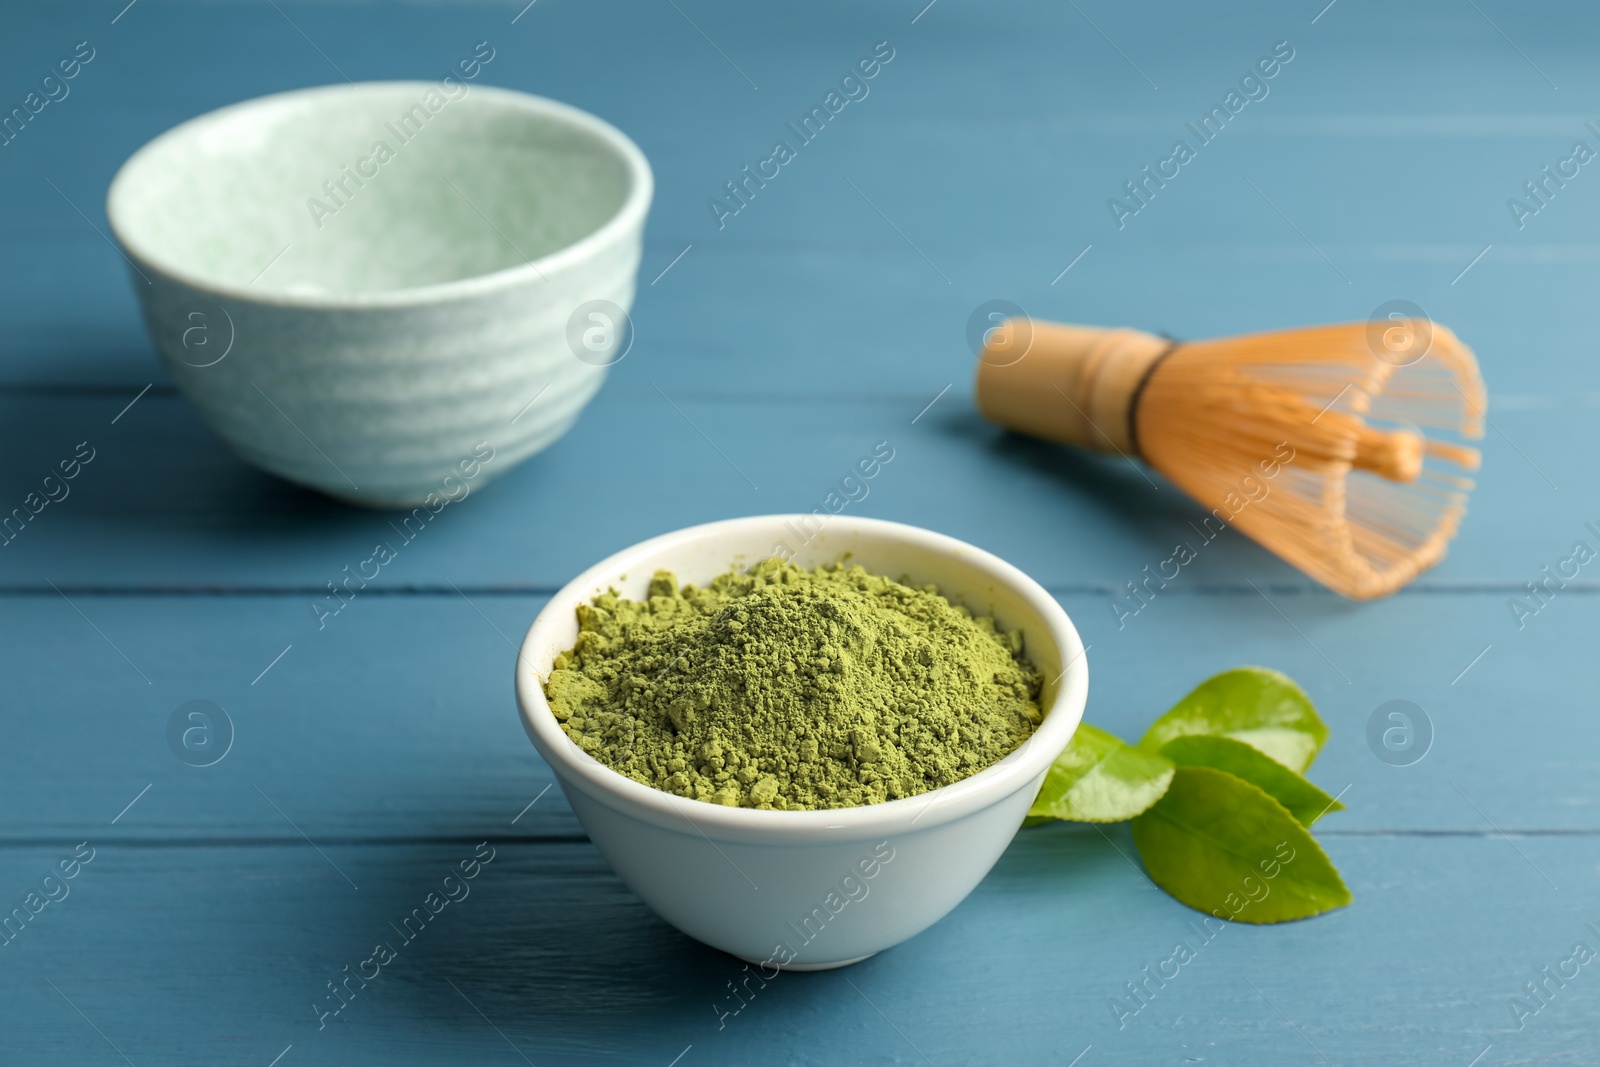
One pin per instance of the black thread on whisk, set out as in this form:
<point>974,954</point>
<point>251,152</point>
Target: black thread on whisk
<point>1138,393</point>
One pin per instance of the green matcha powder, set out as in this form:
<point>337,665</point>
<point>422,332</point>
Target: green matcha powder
<point>781,687</point>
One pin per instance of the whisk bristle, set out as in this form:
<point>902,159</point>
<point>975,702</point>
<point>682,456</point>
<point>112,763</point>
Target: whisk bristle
<point>1360,498</point>
<point>1321,443</point>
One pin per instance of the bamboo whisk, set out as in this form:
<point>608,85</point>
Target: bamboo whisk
<point>1310,441</point>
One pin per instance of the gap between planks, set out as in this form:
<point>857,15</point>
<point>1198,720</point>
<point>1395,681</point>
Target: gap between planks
<point>1417,589</point>
<point>398,841</point>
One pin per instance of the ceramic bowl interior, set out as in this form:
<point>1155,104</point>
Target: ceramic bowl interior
<point>351,190</point>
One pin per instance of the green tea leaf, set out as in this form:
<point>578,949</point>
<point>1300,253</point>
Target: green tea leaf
<point>1305,801</point>
<point>1101,778</point>
<point>1224,847</point>
<point>1262,708</point>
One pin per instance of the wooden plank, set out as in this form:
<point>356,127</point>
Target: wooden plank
<point>397,721</point>
<point>794,337</point>
<point>811,274</point>
<point>548,954</point>
<point>186,512</point>
<point>863,319</point>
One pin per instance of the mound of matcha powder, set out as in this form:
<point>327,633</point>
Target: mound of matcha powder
<point>781,687</point>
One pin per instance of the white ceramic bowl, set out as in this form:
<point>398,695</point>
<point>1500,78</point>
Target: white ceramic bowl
<point>373,322</point>
<point>755,883</point>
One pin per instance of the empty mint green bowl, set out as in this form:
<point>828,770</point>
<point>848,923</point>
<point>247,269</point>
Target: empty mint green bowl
<point>391,292</point>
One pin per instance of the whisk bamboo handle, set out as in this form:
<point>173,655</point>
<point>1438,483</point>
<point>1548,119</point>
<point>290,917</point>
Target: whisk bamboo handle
<point>1074,384</point>
<point>1080,385</point>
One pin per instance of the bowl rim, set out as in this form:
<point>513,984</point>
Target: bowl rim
<point>629,216</point>
<point>989,786</point>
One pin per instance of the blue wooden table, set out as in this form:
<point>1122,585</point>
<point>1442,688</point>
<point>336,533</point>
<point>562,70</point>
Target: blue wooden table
<point>211,906</point>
